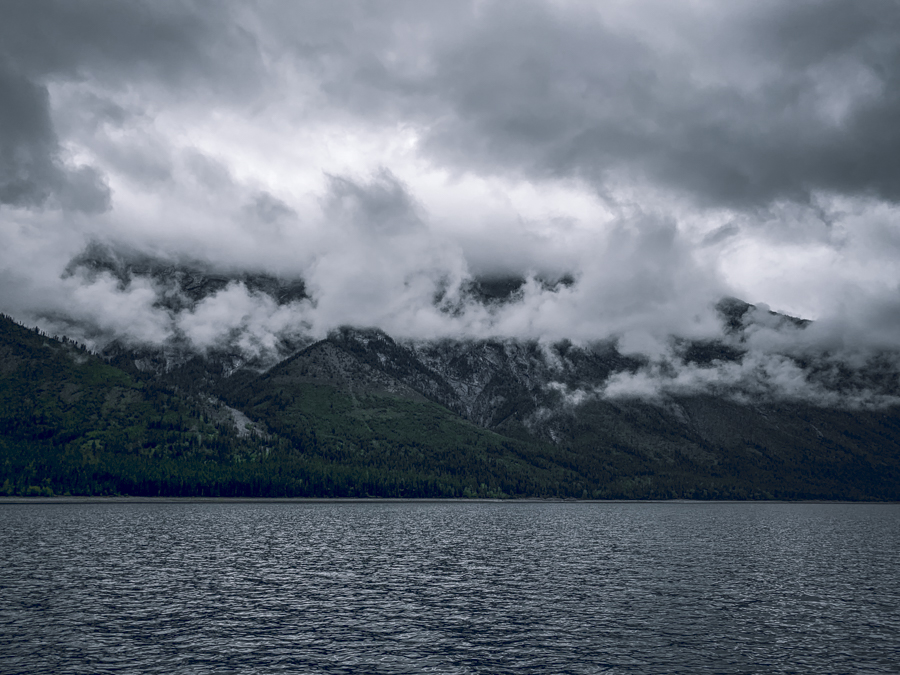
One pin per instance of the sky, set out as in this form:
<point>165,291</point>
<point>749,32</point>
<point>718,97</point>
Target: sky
<point>661,154</point>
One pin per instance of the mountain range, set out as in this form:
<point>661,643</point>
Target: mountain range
<point>361,413</point>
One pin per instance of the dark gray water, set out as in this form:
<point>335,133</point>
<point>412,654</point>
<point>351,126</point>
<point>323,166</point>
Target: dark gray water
<point>455,588</point>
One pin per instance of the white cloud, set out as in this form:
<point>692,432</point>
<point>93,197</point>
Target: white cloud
<point>235,317</point>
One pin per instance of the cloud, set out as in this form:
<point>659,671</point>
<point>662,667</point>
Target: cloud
<point>737,107</point>
<point>28,142</point>
<point>178,44</point>
<point>93,311</point>
<point>168,46</point>
<point>658,155</point>
<point>382,205</point>
<point>739,112</point>
<point>758,378</point>
<point>31,166</point>
<point>269,210</point>
<point>234,318</point>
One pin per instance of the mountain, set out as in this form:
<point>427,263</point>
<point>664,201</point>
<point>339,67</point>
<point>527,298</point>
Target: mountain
<point>689,444</point>
<point>70,422</point>
<point>183,283</point>
<point>362,413</point>
<point>319,424</point>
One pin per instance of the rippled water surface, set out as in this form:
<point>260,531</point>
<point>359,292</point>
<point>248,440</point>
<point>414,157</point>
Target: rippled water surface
<point>449,587</point>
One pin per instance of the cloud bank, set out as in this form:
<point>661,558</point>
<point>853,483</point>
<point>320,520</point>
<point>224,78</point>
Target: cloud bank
<point>390,157</point>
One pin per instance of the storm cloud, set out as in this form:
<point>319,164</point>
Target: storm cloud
<point>391,156</point>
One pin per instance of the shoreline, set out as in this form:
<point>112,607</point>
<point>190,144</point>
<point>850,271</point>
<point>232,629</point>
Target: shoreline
<point>64,500</point>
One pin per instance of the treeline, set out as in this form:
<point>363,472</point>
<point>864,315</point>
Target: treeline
<point>42,470</point>
<point>7,319</point>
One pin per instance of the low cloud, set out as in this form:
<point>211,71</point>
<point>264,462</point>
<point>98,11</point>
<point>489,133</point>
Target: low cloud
<point>237,319</point>
<point>757,378</point>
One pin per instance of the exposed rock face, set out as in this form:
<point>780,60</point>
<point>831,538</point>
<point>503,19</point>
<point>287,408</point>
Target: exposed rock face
<point>327,363</point>
<point>182,284</point>
<point>496,384</point>
<point>498,380</point>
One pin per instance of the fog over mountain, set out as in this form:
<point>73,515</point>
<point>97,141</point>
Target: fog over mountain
<point>252,176</point>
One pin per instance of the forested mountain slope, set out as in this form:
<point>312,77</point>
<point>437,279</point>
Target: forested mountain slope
<point>682,445</point>
<point>71,423</point>
<point>360,414</point>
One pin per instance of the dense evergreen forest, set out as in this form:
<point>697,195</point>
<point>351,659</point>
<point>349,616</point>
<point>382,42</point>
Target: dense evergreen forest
<point>73,423</point>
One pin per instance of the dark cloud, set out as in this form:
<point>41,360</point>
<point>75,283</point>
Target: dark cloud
<point>175,44</point>
<point>720,234</point>
<point>31,170</point>
<point>764,102</point>
<point>269,210</point>
<point>556,92</point>
<point>84,190</point>
<point>28,145</point>
<point>381,205</point>
<point>744,106</point>
<point>212,174</point>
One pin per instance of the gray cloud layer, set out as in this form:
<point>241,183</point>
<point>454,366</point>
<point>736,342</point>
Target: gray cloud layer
<point>734,106</point>
<point>739,107</point>
<point>660,154</point>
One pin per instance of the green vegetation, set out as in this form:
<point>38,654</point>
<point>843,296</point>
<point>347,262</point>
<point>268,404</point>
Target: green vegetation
<point>71,423</point>
<point>734,451</point>
<point>429,450</point>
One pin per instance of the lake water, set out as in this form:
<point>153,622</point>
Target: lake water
<point>450,588</point>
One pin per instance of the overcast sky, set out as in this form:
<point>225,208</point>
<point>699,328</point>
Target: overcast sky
<point>662,153</point>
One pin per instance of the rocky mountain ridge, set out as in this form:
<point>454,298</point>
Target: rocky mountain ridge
<point>520,386</point>
<point>702,412</point>
<point>362,414</point>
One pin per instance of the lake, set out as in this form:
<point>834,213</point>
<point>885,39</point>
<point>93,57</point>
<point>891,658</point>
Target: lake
<point>449,588</point>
